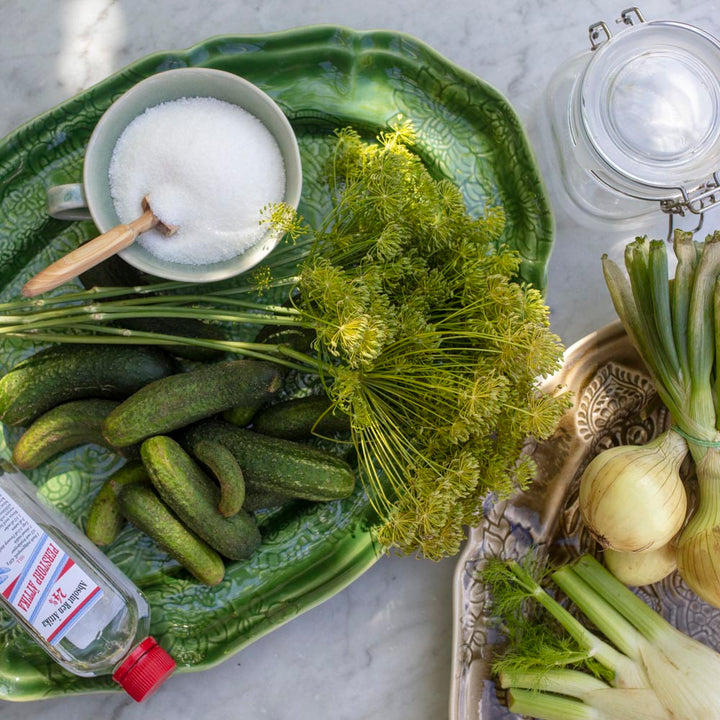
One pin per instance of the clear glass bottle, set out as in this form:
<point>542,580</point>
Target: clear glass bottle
<point>77,605</point>
<point>635,122</point>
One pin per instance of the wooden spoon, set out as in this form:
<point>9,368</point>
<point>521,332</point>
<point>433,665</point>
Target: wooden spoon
<point>95,251</point>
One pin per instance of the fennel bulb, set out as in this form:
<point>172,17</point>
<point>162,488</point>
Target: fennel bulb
<point>683,671</point>
<point>599,700</point>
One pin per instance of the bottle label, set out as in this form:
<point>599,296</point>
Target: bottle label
<point>38,578</point>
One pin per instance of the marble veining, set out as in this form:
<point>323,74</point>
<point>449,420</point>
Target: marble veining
<point>381,649</point>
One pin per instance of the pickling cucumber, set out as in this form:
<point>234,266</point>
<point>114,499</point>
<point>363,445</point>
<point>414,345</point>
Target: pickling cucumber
<point>69,372</point>
<point>225,469</point>
<point>194,498</point>
<point>260,500</point>
<point>142,506</point>
<point>105,518</point>
<point>301,418</point>
<point>66,426</point>
<point>178,400</point>
<point>276,465</point>
<point>297,338</point>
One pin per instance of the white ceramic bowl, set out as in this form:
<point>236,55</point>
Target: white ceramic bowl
<point>172,85</point>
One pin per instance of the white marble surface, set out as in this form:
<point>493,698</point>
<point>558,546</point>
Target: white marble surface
<point>382,648</point>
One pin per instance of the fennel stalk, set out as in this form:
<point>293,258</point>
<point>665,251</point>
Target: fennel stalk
<point>655,670</point>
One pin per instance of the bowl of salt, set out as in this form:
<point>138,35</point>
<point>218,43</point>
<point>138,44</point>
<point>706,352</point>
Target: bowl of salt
<point>213,154</point>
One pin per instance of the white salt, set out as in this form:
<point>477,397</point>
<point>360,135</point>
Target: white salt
<point>208,167</point>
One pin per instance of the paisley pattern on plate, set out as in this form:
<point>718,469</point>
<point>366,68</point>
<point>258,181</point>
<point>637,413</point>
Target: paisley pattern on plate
<point>614,404</point>
<point>323,77</point>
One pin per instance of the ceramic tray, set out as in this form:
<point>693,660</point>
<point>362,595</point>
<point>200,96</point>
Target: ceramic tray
<point>614,404</point>
<point>323,77</point>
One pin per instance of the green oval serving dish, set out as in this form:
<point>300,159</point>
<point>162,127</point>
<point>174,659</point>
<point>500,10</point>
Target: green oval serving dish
<point>323,77</point>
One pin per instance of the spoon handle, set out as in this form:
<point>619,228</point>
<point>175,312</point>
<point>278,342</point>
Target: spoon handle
<point>88,255</point>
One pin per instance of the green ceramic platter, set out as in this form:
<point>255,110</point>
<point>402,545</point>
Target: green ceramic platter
<point>323,77</point>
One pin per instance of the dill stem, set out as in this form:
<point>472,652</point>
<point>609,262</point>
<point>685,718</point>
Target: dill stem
<point>91,294</point>
<point>291,248</point>
<point>72,321</point>
<point>212,300</point>
<point>148,292</point>
<point>278,354</point>
<point>230,292</point>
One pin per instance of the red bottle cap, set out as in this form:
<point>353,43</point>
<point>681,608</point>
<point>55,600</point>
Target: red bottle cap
<point>144,670</point>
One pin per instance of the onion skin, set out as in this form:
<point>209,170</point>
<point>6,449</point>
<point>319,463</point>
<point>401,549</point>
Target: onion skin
<point>632,498</point>
<point>645,568</point>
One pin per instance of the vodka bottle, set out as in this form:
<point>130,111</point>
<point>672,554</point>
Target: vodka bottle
<point>79,607</point>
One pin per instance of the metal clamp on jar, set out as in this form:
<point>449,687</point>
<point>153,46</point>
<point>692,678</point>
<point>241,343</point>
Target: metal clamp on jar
<point>635,122</point>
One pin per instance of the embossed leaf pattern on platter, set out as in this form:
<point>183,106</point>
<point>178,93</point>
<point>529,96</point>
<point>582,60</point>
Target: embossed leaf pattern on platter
<point>323,77</point>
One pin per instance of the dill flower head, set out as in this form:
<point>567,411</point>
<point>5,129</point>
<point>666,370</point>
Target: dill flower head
<point>434,349</point>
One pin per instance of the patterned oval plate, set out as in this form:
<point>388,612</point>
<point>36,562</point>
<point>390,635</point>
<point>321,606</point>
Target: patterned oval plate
<point>323,77</point>
<point>615,403</point>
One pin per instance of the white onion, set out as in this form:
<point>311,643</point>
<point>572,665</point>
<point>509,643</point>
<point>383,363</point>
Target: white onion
<point>632,498</point>
<point>642,568</point>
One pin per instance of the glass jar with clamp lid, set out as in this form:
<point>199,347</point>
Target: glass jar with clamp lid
<point>635,122</point>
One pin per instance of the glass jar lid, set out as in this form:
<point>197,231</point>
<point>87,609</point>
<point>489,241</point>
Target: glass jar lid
<point>650,108</point>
